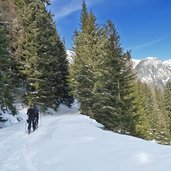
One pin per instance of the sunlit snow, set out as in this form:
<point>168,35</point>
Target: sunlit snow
<point>69,141</point>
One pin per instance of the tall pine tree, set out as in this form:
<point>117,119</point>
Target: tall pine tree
<point>101,76</point>
<point>42,57</point>
<point>6,60</point>
<point>167,103</point>
<point>114,105</point>
<point>84,70</point>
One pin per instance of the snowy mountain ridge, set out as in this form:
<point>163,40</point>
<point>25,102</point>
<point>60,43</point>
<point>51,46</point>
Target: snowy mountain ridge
<point>151,60</point>
<point>153,71</point>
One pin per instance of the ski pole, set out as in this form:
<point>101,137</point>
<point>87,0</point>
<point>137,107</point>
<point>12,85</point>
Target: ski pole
<point>40,119</point>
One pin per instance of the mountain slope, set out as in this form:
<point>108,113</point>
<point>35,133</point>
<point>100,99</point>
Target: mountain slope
<point>153,71</point>
<point>70,55</point>
<point>73,142</point>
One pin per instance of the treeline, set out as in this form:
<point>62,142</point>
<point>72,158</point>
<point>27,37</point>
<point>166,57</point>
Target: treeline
<point>154,121</point>
<point>107,89</point>
<point>33,60</point>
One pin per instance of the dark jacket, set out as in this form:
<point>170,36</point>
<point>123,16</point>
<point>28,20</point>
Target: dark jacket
<point>36,111</point>
<point>31,114</point>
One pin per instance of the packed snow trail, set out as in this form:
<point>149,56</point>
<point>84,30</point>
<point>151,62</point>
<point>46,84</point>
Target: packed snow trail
<point>73,142</point>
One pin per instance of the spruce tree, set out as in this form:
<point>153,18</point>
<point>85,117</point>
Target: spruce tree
<point>4,64</point>
<point>167,103</point>
<point>149,110</point>
<point>42,57</point>
<point>163,131</point>
<point>84,69</point>
<point>101,75</point>
<point>6,60</point>
<point>143,125</point>
<point>152,123</point>
<point>84,17</point>
<point>114,104</point>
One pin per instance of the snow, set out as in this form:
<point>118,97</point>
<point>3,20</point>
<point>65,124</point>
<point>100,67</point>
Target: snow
<point>167,62</point>
<point>9,119</point>
<point>153,71</point>
<point>70,55</point>
<point>152,61</point>
<point>152,58</point>
<point>135,62</point>
<point>69,141</point>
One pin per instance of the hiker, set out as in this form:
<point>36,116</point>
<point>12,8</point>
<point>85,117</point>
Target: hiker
<point>31,119</point>
<point>36,112</point>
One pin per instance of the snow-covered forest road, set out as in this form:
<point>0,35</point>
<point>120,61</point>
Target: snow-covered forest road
<point>73,142</point>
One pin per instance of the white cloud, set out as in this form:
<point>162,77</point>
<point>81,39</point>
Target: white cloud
<point>67,9</point>
<point>72,6</point>
<point>150,42</point>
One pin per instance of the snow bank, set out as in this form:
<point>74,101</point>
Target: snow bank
<point>8,119</point>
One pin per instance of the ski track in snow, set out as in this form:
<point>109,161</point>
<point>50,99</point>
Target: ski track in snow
<point>18,147</point>
<point>28,159</point>
<point>17,154</point>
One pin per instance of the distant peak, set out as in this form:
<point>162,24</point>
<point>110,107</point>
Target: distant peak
<point>152,58</point>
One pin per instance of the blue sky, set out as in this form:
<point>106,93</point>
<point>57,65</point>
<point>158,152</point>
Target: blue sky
<point>144,26</point>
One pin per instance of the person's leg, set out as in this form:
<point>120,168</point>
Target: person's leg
<point>29,126</point>
<point>34,125</point>
<point>37,122</point>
